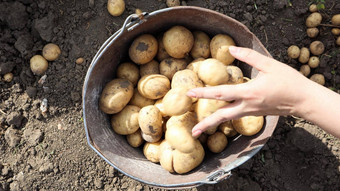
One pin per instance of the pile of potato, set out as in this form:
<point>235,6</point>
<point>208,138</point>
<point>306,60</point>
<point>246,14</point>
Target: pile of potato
<point>148,100</point>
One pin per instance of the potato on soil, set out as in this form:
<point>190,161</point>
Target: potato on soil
<point>143,49</point>
<point>38,65</point>
<point>151,67</point>
<point>176,102</point>
<point>153,86</point>
<point>304,55</point>
<point>313,20</point>
<point>213,72</point>
<point>313,8</point>
<point>116,7</point>
<point>201,48</point>
<point>51,52</point>
<point>219,48</point>
<point>227,128</point>
<point>140,101</point>
<point>338,41</point>
<point>194,65</point>
<point>335,31</point>
<point>313,62</point>
<point>150,120</point>
<point>235,75</point>
<point>135,139</point>
<point>217,142</point>
<point>173,3</point>
<point>336,19</point>
<point>248,125</point>
<point>126,121</point>
<point>161,54</point>
<point>318,78</point>
<point>317,48</point>
<point>187,79</point>
<point>152,151</point>
<point>305,70</point>
<point>312,32</point>
<point>293,51</point>
<point>8,77</point>
<point>115,95</point>
<point>178,41</point>
<point>169,66</point>
<point>128,70</point>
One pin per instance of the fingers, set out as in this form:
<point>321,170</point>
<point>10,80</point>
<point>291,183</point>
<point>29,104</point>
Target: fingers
<point>222,92</point>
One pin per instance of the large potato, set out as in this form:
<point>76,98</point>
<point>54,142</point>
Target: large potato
<point>166,156</point>
<point>116,7</point>
<point>217,142</point>
<point>248,125</point>
<point>128,71</point>
<point>115,95</point>
<point>151,67</point>
<point>140,101</point>
<point>143,49</point>
<point>152,151</point>
<point>153,86</point>
<point>187,79</point>
<point>176,102</point>
<point>227,128</point>
<point>213,72</point>
<point>38,65</point>
<point>201,47</point>
<point>51,52</point>
<point>135,139</point>
<point>169,66</point>
<point>178,41</point>
<point>150,120</point>
<point>235,75</point>
<point>161,54</point>
<point>219,48</point>
<point>126,121</point>
<point>313,20</point>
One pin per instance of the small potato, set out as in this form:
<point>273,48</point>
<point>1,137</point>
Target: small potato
<point>217,142</point>
<point>178,41</point>
<point>227,128</point>
<point>38,65</point>
<point>159,105</point>
<point>335,31</point>
<point>318,78</point>
<point>152,151</point>
<point>176,102</point>
<point>80,60</point>
<point>305,70</point>
<point>116,7</point>
<point>312,32</point>
<point>336,19</point>
<point>173,3</point>
<point>304,55</point>
<point>248,125</point>
<point>317,48</point>
<point>313,8</point>
<point>115,95</point>
<point>338,41</point>
<point>313,62</point>
<point>8,77</point>
<point>126,121</point>
<point>140,101</point>
<point>219,48</point>
<point>213,72</point>
<point>293,51</point>
<point>51,52</point>
<point>150,120</point>
<point>235,75</point>
<point>166,156</point>
<point>313,20</point>
<point>153,86</point>
<point>186,78</point>
<point>149,68</point>
<point>201,48</point>
<point>161,54</point>
<point>169,66</point>
<point>143,49</point>
<point>194,65</point>
<point>135,139</point>
<point>128,70</point>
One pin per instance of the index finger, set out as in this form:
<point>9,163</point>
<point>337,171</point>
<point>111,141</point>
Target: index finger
<point>221,92</point>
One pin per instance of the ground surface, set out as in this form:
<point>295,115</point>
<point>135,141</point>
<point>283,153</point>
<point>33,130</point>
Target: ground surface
<point>50,152</point>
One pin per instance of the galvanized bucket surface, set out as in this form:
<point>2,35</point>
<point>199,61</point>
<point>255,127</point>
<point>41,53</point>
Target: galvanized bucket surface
<point>115,150</point>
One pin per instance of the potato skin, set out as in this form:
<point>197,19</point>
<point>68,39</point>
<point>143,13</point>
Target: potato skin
<point>115,95</point>
<point>178,41</point>
<point>128,71</point>
<point>293,51</point>
<point>304,55</point>
<point>140,101</point>
<point>186,78</point>
<point>153,86</point>
<point>161,54</point>
<point>312,32</point>
<point>194,65</point>
<point>143,49</point>
<point>227,128</point>
<point>317,48</point>
<point>318,78</point>
<point>201,47</point>
<point>152,151</point>
<point>166,156</point>
<point>51,52</point>
<point>116,7</point>
<point>176,102</point>
<point>217,142</point>
<point>235,75</point>
<point>219,48</point>
<point>169,66</point>
<point>135,139</point>
<point>305,70</point>
<point>126,121</point>
<point>248,125</point>
<point>213,72</point>
<point>313,62</point>
<point>151,67</point>
<point>313,20</point>
<point>38,64</point>
<point>150,120</point>
<point>336,19</point>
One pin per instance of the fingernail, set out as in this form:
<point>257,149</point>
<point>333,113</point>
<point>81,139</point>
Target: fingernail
<point>196,133</point>
<point>191,94</point>
<point>234,49</point>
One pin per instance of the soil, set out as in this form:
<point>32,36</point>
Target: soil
<point>48,151</point>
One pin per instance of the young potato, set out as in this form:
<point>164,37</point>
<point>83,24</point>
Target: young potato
<point>178,41</point>
<point>305,70</point>
<point>201,48</point>
<point>313,20</point>
<point>135,139</point>
<point>313,8</point>
<point>213,72</point>
<point>335,31</point>
<point>312,32</point>
<point>8,77</point>
<point>116,7</point>
<point>169,66</point>
<point>115,95</point>
<point>318,78</point>
<point>143,49</point>
<point>336,19</point>
<point>173,3</point>
<point>140,101</point>
<point>38,65</point>
<point>293,51</point>
<point>186,78</point>
<point>153,86</point>
<point>176,102</point>
<point>219,48</point>
<point>313,62</point>
<point>152,151</point>
<point>126,121</point>
<point>194,65</point>
<point>304,55</point>
<point>166,156</point>
<point>227,128</point>
<point>235,75</point>
<point>128,71</point>
<point>217,142</point>
<point>161,54</point>
<point>150,120</point>
<point>51,52</point>
<point>248,125</point>
<point>317,48</point>
<point>151,67</point>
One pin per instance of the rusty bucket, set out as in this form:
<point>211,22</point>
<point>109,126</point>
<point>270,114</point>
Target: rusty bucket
<point>115,150</point>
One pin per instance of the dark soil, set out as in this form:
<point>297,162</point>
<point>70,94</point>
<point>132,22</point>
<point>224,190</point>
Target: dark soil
<point>48,151</point>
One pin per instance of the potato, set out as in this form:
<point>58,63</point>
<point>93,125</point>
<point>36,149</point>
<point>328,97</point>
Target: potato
<point>201,47</point>
<point>305,70</point>
<point>115,95</point>
<point>169,66</point>
<point>38,65</point>
<point>173,3</point>
<point>150,120</point>
<point>161,54</point>
<point>248,125</point>
<point>313,8</point>
<point>143,49</point>
<point>178,41</point>
<point>51,52</point>
<point>80,60</point>
<point>235,75</point>
<point>217,142</point>
<point>335,31</point>
<point>166,156</point>
<point>203,138</point>
<point>194,65</point>
<point>135,139</point>
<point>317,48</point>
<point>293,51</point>
<point>312,32</point>
<point>304,55</point>
<point>336,19</point>
<point>140,101</point>
<point>213,72</point>
<point>313,62</point>
<point>151,67</point>
<point>128,70</point>
<point>186,78</point>
<point>318,78</point>
<point>338,41</point>
<point>116,7</point>
<point>313,20</point>
<point>153,86</point>
<point>151,138</point>
<point>227,128</point>
<point>8,77</point>
<point>159,105</point>
<point>219,48</point>
<point>152,151</point>
<point>126,121</point>
<point>176,102</point>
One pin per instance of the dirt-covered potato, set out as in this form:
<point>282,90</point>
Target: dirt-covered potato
<point>194,65</point>
<point>128,70</point>
<point>151,67</point>
<point>213,72</point>
<point>169,66</point>
<point>139,100</point>
<point>143,49</point>
<point>161,54</point>
<point>217,142</point>
<point>166,156</point>
<point>153,86</point>
<point>173,3</point>
<point>115,95</point>
<point>176,102</point>
<point>116,7</point>
<point>235,75</point>
<point>178,41</point>
<point>318,78</point>
<point>336,19</point>
<point>313,20</point>
<point>314,62</point>
<point>312,32</point>
<point>186,78</point>
<point>152,151</point>
<point>304,55</point>
<point>38,65</point>
<point>126,121</point>
<point>313,8</point>
<point>135,139</point>
<point>227,128</point>
<point>51,52</point>
<point>248,125</point>
<point>219,48</point>
<point>201,48</point>
<point>317,48</point>
<point>305,70</point>
<point>8,77</point>
<point>293,51</point>
<point>335,31</point>
<point>150,120</point>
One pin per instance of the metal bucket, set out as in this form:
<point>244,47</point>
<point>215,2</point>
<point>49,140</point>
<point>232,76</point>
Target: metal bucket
<point>115,150</point>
